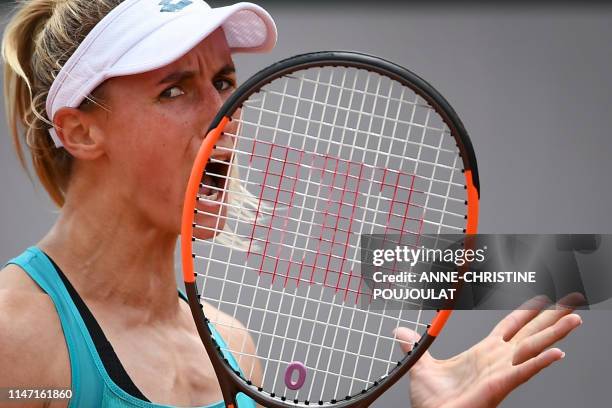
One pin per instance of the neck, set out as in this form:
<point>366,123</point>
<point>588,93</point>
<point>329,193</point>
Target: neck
<point>114,257</point>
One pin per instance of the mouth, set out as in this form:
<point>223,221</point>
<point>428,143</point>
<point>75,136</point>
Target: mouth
<point>214,180</point>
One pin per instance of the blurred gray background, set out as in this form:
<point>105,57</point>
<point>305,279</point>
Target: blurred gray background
<point>532,85</point>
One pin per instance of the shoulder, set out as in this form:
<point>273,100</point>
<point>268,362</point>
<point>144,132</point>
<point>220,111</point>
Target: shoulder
<point>238,340</point>
<point>231,330</point>
<point>31,337</point>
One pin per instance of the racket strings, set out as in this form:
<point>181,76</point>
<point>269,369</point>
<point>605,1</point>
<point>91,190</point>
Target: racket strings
<point>319,187</point>
<point>315,159</point>
<point>347,110</point>
<point>354,378</point>
<point>354,90</point>
<point>340,145</point>
<point>280,189</point>
<point>311,167</point>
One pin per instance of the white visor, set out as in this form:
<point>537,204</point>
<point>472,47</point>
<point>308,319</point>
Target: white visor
<point>143,35</point>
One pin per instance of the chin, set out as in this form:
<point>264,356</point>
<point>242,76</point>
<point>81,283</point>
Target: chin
<point>209,224</point>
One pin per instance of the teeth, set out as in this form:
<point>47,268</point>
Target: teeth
<point>210,186</point>
<point>209,195</point>
<point>207,188</point>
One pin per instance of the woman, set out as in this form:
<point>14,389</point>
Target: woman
<point>114,99</point>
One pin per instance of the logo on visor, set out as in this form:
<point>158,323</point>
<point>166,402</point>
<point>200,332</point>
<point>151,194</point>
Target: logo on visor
<point>173,5</point>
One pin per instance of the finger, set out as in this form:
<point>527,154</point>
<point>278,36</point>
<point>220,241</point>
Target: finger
<point>529,368</point>
<point>545,319</point>
<point>573,300</point>
<point>516,320</point>
<point>407,338</point>
<point>535,344</point>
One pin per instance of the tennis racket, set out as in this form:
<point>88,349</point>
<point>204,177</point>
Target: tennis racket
<point>305,157</point>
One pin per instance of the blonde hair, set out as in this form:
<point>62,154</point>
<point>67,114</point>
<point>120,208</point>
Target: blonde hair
<point>242,209</point>
<point>38,41</point>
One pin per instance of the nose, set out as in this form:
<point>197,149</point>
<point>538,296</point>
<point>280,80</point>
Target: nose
<point>216,99</point>
<point>227,140</point>
<point>210,103</point>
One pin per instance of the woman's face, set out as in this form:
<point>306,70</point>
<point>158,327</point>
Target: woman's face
<point>155,125</point>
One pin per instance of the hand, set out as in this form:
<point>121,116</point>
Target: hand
<point>481,377</point>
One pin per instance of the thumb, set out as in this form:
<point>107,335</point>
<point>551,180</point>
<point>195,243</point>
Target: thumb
<point>406,338</point>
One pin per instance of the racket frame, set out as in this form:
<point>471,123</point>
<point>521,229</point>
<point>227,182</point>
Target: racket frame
<point>230,380</point>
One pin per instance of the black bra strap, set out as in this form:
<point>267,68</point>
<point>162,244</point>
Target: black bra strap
<point>109,358</point>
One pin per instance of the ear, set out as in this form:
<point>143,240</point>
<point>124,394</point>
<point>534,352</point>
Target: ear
<point>79,134</point>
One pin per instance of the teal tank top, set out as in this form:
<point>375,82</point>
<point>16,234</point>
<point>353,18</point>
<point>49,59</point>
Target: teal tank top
<point>91,384</point>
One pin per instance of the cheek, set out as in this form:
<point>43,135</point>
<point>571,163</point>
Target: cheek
<point>152,151</point>
<point>158,138</point>
<point>152,156</point>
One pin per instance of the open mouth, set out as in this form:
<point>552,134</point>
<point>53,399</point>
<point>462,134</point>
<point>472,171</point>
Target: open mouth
<point>214,181</point>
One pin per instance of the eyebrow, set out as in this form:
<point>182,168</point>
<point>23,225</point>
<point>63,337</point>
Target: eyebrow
<point>227,69</point>
<point>178,76</point>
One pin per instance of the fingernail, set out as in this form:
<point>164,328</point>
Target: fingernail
<point>563,354</point>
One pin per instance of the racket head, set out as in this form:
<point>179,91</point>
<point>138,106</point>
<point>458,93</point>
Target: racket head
<point>251,146</point>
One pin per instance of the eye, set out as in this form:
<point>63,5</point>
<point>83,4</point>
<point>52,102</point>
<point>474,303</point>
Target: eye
<point>224,84</point>
<point>172,92</point>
